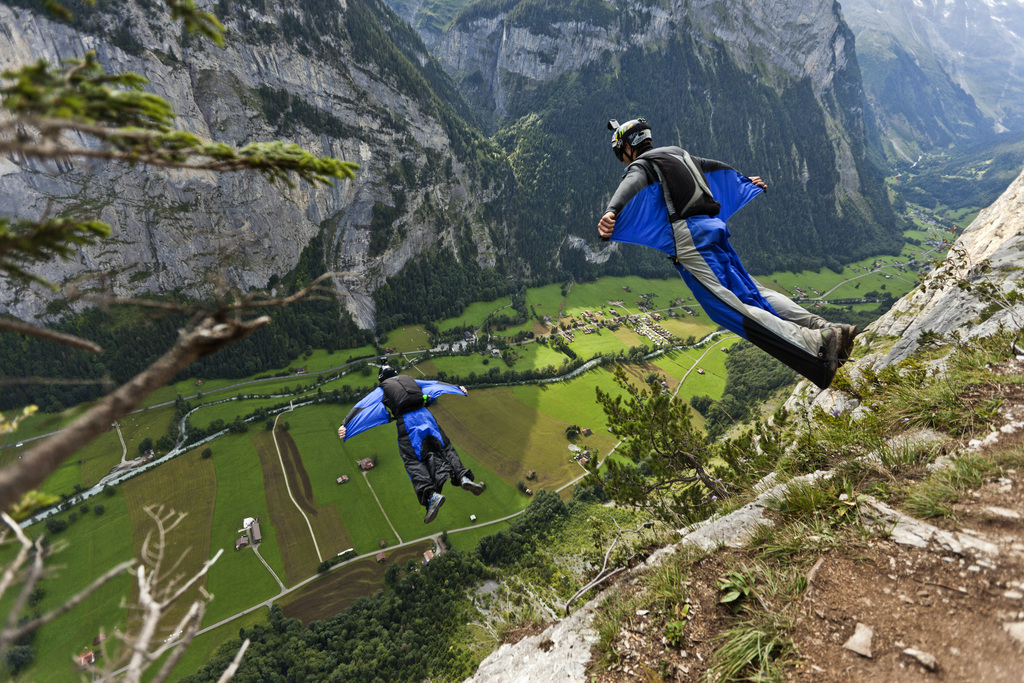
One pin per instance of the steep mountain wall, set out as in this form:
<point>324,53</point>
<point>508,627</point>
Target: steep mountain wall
<point>311,71</point>
<point>771,88</point>
<point>796,39</point>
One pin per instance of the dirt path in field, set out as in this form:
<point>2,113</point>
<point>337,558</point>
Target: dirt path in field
<point>328,527</point>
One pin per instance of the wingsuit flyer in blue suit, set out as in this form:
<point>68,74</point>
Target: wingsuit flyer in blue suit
<point>679,204</point>
<point>427,453</point>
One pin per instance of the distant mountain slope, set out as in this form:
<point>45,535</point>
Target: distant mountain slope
<point>772,88</point>
<point>937,72</point>
<point>967,176</point>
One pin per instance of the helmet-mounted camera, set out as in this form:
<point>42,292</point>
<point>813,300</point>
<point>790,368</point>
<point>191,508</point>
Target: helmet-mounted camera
<point>386,371</point>
<point>631,132</point>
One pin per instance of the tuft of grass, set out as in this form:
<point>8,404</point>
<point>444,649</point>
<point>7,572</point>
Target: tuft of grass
<point>904,460</point>
<point>666,586</point>
<point>795,540</point>
<point>614,613</point>
<point>754,649</point>
<point>802,500</point>
<point>935,496</point>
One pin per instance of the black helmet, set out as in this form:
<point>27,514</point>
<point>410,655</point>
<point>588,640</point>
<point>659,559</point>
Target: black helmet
<point>631,132</point>
<point>386,371</point>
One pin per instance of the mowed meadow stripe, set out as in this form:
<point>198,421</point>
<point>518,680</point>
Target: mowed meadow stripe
<point>188,485</point>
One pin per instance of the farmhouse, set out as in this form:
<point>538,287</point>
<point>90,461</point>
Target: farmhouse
<point>365,464</point>
<point>241,542</point>
<point>428,555</point>
<point>253,535</point>
<point>586,431</point>
<point>86,659</point>
<point>381,556</point>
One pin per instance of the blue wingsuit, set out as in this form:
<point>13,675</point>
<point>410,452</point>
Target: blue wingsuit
<point>646,213</point>
<point>427,454</point>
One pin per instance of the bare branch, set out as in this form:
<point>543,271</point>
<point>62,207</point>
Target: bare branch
<point>140,644</point>
<point>32,577</point>
<point>167,306</point>
<point>189,625</point>
<point>50,335</point>
<point>209,336</point>
<point>154,598</point>
<point>188,584</point>
<point>15,565</point>
<point>70,604</point>
<point>251,300</point>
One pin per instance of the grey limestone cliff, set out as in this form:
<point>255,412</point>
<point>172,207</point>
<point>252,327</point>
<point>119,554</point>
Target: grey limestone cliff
<point>179,230</point>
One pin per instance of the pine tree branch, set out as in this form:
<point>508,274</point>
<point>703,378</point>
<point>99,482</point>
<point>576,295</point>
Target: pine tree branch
<point>173,149</point>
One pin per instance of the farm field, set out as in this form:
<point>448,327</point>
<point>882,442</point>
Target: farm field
<point>408,338</point>
<point>188,490</point>
<point>337,590</point>
<point>546,300</point>
<point>534,356</point>
<point>242,492</point>
<point>524,439</point>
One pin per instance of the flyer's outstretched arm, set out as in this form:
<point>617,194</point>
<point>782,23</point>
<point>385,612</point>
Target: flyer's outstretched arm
<point>433,389</point>
<point>369,412</point>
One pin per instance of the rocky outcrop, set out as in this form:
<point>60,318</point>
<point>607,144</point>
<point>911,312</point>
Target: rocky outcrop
<point>181,230</point>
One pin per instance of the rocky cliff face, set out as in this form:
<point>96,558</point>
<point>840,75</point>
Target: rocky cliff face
<point>494,52</point>
<point>179,230</point>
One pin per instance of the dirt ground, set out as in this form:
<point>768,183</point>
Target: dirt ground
<point>951,607</point>
<point>959,609</point>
